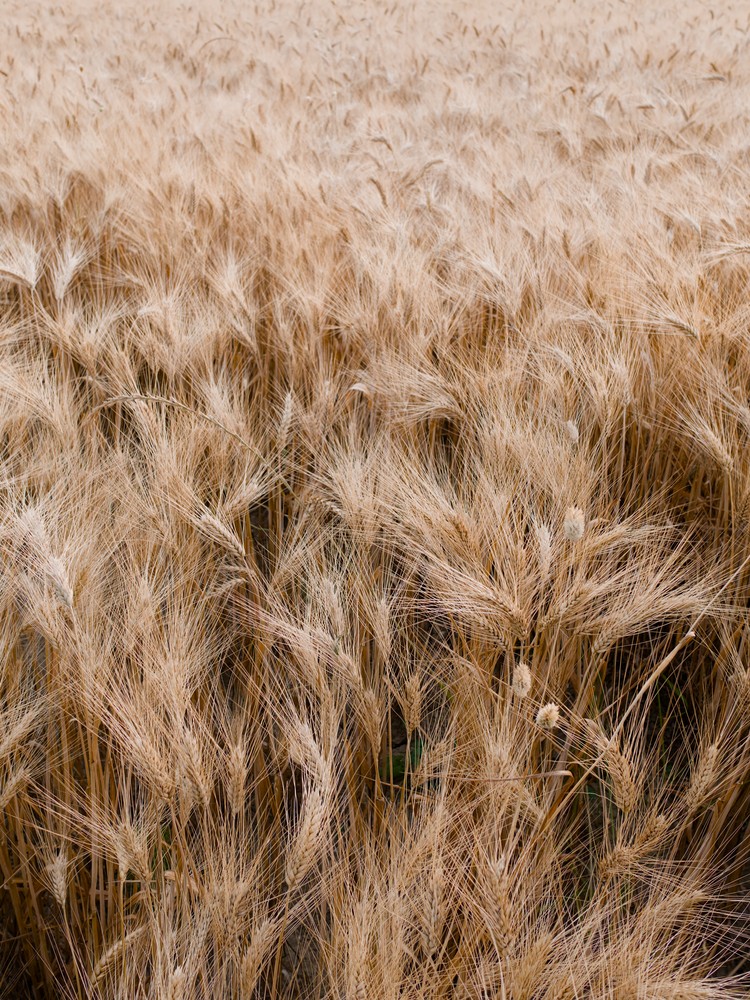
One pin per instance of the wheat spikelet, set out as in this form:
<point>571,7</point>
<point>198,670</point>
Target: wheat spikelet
<point>307,842</point>
<point>499,885</point>
<point>285,421</point>
<point>17,728</point>
<point>574,524</point>
<point>626,792</point>
<point>13,786</point>
<point>357,966</point>
<point>372,719</point>
<point>59,579</point>
<point>433,914</point>
<point>177,981</point>
<point>113,954</point>
<point>305,749</point>
<point>37,543</point>
<point>527,968</point>
<point>548,716</point>
<point>192,781</point>
<point>703,779</point>
<point>334,608</point>
<point>58,878</point>
<point>237,777</point>
<point>521,680</point>
<point>222,535</point>
<point>544,542</point>
<point>382,628</point>
<point>262,940</point>
<point>67,262</point>
<point>132,852</point>
<point>618,765</point>
<point>624,857</point>
<point>20,262</point>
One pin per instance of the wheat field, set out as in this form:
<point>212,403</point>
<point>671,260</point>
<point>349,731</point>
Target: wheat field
<point>375,500</point>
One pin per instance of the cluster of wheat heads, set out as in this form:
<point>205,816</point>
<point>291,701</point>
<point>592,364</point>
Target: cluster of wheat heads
<point>374,501</point>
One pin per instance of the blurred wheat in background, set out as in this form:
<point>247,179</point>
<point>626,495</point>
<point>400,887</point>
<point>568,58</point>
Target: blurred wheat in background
<point>375,500</point>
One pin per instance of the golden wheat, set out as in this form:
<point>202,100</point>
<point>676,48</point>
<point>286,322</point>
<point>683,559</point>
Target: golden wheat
<point>374,501</point>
